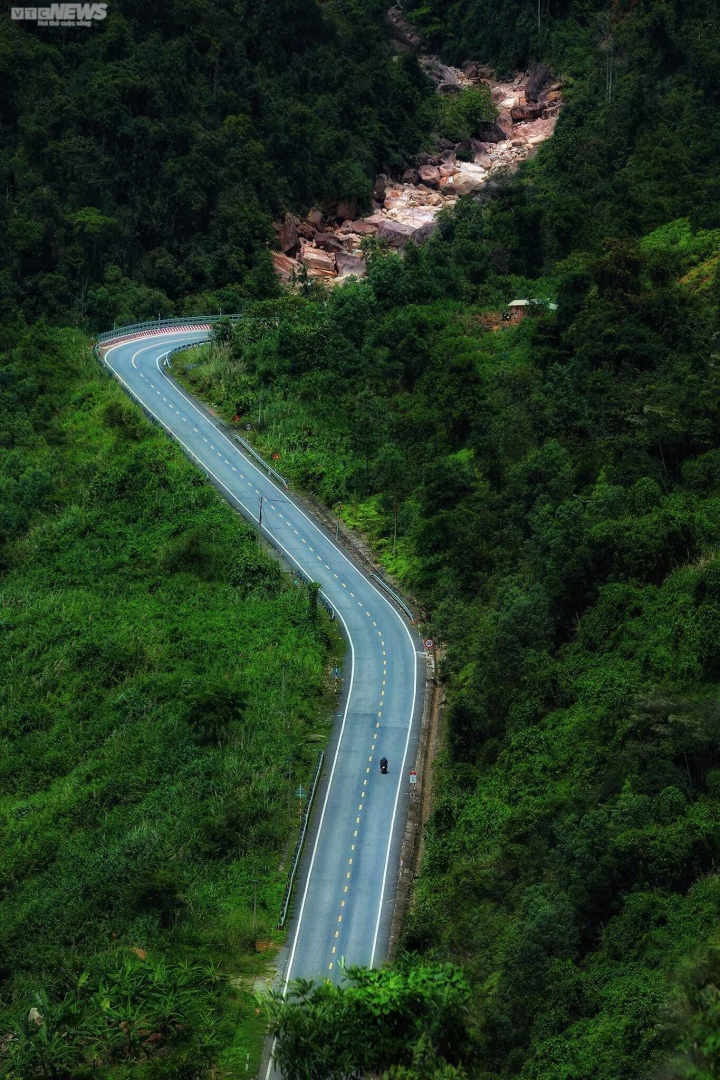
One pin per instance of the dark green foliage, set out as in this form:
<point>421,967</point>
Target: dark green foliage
<point>116,1012</point>
<point>143,160</point>
<point>550,491</point>
<point>409,1021</point>
<point>636,145</point>
<point>555,490</point>
<point>158,676</point>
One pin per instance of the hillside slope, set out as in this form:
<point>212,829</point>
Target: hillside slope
<point>552,491</point>
<point>160,679</point>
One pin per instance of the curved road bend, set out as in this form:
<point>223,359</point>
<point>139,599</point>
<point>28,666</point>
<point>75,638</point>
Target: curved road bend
<point>347,885</point>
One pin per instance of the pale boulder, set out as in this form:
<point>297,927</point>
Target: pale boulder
<point>430,175</point>
<point>284,265</point>
<point>359,228</point>
<point>395,233</point>
<point>468,179</point>
<point>316,260</point>
<point>350,266</point>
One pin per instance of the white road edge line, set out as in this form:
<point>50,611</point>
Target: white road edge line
<point>355,569</point>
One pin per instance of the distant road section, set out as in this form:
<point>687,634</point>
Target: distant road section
<point>347,885</point>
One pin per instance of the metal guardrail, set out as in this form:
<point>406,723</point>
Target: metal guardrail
<point>300,842</point>
<point>161,324</point>
<point>398,600</point>
<point>253,452</point>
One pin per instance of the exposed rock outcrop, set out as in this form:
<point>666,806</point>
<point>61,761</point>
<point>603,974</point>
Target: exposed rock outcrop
<point>285,267</point>
<point>288,234</point>
<point>327,245</point>
<point>539,78</point>
<point>350,265</point>
<point>490,131</point>
<point>521,113</point>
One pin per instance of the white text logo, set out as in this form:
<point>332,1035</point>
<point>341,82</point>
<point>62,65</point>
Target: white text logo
<point>60,14</point>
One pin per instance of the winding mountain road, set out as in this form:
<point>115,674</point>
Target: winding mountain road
<point>347,884</point>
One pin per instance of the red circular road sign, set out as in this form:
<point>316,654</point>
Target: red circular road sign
<point>428,643</point>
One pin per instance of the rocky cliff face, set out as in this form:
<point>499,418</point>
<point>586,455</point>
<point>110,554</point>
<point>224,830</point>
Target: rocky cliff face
<point>327,244</point>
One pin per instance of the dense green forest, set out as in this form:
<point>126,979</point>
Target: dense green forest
<point>551,491</point>
<point>142,160</point>
<point>160,677</point>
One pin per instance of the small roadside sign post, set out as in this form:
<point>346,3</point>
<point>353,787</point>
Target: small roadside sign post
<point>413,781</point>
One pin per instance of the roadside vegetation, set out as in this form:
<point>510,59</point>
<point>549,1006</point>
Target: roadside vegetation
<point>162,685</point>
<point>551,491</point>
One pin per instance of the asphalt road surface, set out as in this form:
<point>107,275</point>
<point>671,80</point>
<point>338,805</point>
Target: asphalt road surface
<point>347,885</point>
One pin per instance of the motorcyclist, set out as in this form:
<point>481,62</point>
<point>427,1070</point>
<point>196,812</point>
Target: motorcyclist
<point>383,764</point>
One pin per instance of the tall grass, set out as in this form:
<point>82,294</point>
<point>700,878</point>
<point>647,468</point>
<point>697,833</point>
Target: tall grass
<point>159,680</point>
